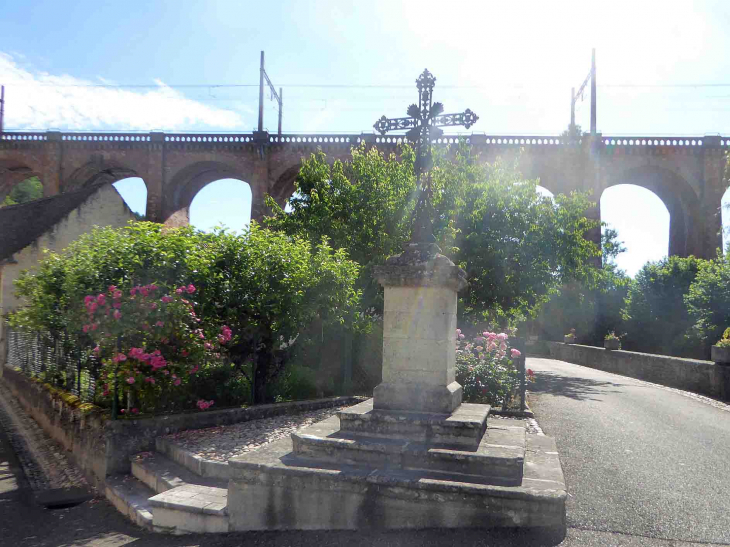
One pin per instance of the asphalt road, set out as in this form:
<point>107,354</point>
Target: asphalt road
<point>644,465</point>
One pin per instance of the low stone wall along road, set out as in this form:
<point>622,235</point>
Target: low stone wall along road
<point>644,464</point>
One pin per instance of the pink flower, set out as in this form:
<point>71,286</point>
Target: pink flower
<point>190,288</point>
<point>225,335</point>
<point>135,411</point>
<point>177,381</point>
<point>85,328</point>
<point>153,306</point>
<point>193,370</point>
<point>92,307</point>
<point>160,324</point>
<point>152,287</point>
<point>105,393</point>
<point>150,380</point>
<point>101,299</point>
<point>208,345</point>
<point>132,291</point>
<point>117,315</point>
<point>515,353</point>
<point>480,348</point>
<point>97,350</point>
<point>458,331</point>
<point>461,336</point>
<point>502,336</point>
<point>117,305</point>
<point>184,353</point>
<point>144,291</point>
<point>180,290</point>
<point>530,372</point>
<point>112,288</point>
<point>119,357</point>
<point>117,294</point>
<point>88,300</point>
<point>158,361</point>
<point>130,380</point>
<point>94,326</point>
<point>167,299</point>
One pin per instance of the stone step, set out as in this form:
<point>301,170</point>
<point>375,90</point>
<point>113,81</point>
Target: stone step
<point>464,427</point>
<point>131,498</point>
<point>191,508</point>
<point>161,473</point>
<point>198,465</point>
<point>499,459</point>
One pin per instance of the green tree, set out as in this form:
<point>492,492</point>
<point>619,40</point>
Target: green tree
<point>592,305</point>
<point>656,317</point>
<point>28,190</point>
<point>516,246</point>
<point>708,300</point>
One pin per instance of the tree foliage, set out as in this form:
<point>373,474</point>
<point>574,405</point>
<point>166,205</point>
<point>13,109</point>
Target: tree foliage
<point>656,318</point>
<point>28,190</point>
<point>708,300</point>
<point>516,246</point>
<point>265,285</point>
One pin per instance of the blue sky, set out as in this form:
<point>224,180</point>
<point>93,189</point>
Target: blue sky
<point>513,64</point>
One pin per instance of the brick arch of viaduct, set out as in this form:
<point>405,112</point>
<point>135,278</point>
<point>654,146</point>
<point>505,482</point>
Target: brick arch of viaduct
<point>687,174</point>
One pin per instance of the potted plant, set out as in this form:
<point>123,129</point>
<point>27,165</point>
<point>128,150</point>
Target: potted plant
<point>612,341</point>
<point>721,350</point>
<point>570,337</point>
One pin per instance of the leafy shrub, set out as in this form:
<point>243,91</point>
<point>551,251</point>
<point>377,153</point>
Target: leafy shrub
<point>484,368</point>
<point>265,286</point>
<point>724,342</point>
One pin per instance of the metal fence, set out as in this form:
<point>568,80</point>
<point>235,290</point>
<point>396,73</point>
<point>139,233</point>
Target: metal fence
<point>52,360</point>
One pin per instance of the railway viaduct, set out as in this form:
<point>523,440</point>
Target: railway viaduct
<point>687,174</point>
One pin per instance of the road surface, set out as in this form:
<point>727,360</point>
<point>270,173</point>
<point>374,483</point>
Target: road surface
<point>642,463</point>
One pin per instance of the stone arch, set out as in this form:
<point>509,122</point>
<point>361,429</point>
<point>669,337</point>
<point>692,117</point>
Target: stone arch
<point>186,183</point>
<point>134,193</point>
<point>96,173</point>
<point>283,188</point>
<point>686,224</point>
<point>13,172</point>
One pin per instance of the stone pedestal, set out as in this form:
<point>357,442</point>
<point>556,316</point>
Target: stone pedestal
<point>419,331</point>
<point>413,456</point>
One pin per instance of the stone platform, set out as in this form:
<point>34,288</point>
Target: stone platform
<point>400,470</point>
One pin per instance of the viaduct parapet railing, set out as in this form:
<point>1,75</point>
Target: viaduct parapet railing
<point>714,141</point>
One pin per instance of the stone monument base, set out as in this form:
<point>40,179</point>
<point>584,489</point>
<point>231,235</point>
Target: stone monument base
<point>391,470</point>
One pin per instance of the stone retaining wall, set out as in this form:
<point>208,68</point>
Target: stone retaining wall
<point>704,377</point>
<point>102,447</point>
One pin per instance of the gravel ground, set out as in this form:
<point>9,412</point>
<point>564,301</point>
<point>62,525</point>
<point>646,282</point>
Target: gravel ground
<point>43,460</point>
<point>228,441</point>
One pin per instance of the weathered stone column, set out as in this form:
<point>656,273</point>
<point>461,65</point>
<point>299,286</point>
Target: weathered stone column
<point>419,331</point>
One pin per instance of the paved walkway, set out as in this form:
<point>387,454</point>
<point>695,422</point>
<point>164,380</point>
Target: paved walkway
<point>644,465</point>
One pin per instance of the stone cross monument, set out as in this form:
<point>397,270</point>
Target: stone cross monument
<point>419,330</point>
<point>413,456</point>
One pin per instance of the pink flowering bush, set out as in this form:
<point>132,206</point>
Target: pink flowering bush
<point>150,344</point>
<point>485,369</point>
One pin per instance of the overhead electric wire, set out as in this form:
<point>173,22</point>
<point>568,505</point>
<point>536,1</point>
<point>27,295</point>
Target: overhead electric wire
<point>349,86</point>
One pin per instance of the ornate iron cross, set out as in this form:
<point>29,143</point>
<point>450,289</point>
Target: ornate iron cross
<point>423,123</point>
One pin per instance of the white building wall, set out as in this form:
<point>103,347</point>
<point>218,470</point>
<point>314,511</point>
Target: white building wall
<point>103,208</point>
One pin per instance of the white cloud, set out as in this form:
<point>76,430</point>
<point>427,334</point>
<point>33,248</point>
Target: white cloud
<point>38,100</point>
